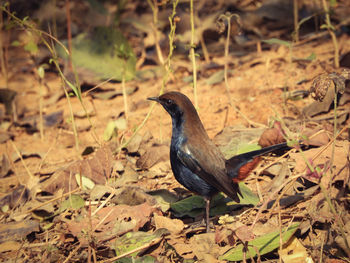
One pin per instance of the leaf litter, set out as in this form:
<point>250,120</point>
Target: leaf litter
<point>57,203</point>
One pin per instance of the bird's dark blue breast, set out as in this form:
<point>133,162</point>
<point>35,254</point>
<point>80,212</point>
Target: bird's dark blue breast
<point>184,175</point>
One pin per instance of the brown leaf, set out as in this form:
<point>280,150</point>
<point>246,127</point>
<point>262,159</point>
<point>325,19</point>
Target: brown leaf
<point>294,251</point>
<point>5,166</point>
<point>317,137</point>
<point>134,144</point>
<point>339,162</point>
<point>182,247</point>
<point>271,136</point>
<point>97,168</point>
<point>175,226</point>
<point>152,156</point>
<point>244,233</point>
<point>129,176</point>
<point>205,248</point>
<point>18,196</point>
<point>110,221</point>
<point>10,246</point>
<point>17,230</point>
<point>130,195</point>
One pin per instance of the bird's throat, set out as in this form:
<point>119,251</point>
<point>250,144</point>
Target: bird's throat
<point>177,137</point>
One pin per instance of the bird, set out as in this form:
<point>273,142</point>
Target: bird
<point>197,163</point>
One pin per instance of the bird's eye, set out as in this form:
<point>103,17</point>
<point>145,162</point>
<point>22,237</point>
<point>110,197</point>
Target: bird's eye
<point>168,102</point>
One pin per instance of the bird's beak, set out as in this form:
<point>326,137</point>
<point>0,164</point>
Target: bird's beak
<point>154,99</point>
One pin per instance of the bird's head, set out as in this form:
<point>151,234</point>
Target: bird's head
<point>182,112</point>
<point>176,104</point>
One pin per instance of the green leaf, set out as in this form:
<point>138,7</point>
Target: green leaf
<point>191,206</point>
<point>87,183</point>
<point>278,41</point>
<point>235,147</point>
<point>73,201</point>
<point>144,259</point>
<point>302,21</point>
<point>76,91</point>
<point>31,47</point>
<point>333,3</point>
<point>5,208</point>
<point>105,52</point>
<point>249,198</point>
<point>97,6</point>
<point>311,57</point>
<point>325,26</point>
<point>263,244</point>
<point>194,205</point>
<point>110,131</point>
<point>164,198</point>
<point>121,124</point>
<point>134,240</point>
<point>41,72</point>
<point>245,148</point>
<point>16,43</point>
<point>215,78</point>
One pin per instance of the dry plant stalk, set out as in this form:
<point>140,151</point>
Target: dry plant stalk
<point>173,20</point>
<point>296,18</point>
<point>330,29</point>
<point>193,56</point>
<point>228,17</point>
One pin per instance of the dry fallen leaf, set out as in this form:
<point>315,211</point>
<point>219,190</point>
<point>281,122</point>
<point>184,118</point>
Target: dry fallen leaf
<point>271,136</point>
<point>244,233</point>
<point>110,221</point>
<point>339,163</point>
<point>175,226</point>
<point>17,230</point>
<point>153,155</point>
<point>205,248</point>
<point>98,168</point>
<point>294,251</point>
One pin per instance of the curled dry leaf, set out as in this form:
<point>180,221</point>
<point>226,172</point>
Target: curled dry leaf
<point>271,136</point>
<point>323,90</point>
<point>97,168</point>
<point>110,221</point>
<point>323,82</point>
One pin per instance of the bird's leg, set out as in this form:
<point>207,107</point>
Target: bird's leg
<point>207,208</point>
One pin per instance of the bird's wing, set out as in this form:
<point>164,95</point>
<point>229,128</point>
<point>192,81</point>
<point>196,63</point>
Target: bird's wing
<point>210,166</point>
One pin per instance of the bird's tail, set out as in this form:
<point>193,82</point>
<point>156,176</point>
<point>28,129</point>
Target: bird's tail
<point>239,167</point>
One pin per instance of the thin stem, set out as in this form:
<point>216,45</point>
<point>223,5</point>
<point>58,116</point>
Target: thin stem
<point>296,18</point>
<point>155,11</point>
<point>125,96</point>
<point>167,66</point>
<point>193,56</point>
<point>330,29</point>
<point>2,53</point>
<point>41,120</point>
<point>227,47</point>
